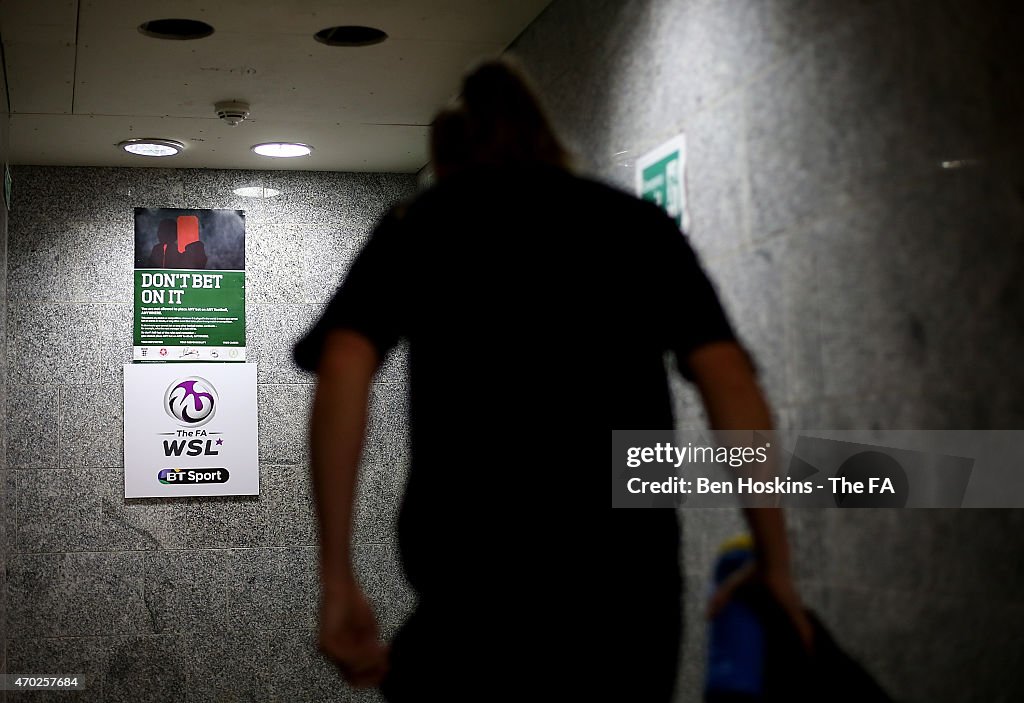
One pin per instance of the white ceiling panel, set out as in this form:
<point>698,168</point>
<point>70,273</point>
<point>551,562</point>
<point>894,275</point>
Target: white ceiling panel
<point>41,77</point>
<point>497,21</point>
<point>397,81</point>
<point>39,50</point>
<point>361,108</point>
<point>30,20</point>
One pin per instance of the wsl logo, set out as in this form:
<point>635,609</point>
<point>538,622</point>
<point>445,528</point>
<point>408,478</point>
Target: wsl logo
<point>191,401</point>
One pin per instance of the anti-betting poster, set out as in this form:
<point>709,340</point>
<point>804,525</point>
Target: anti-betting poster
<point>189,285</point>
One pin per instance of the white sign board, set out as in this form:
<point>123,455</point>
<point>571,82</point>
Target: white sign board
<point>190,430</point>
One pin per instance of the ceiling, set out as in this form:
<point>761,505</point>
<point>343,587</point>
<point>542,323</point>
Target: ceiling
<point>82,78</point>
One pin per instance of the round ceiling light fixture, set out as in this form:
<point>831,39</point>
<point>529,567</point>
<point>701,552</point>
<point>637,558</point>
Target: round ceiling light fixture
<point>151,147</point>
<point>178,29</point>
<point>256,192</point>
<point>282,150</point>
<point>350,35</point>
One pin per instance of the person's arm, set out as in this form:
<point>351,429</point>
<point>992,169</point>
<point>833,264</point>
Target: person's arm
<point>348,627</point>
<point>734,401</point>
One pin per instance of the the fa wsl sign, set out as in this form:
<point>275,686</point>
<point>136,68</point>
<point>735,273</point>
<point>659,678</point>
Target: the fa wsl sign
<point>190,430</point>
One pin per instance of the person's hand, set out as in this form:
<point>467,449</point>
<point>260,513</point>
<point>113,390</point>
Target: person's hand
<point>349,635</point>
<point>779,586</point>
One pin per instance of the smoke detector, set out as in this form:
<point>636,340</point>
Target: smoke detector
<point>233,112</point>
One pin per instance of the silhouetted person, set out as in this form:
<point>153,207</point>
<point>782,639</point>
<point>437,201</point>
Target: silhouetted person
<point>165,252</point>
<point>194,256</point>
<point>538,307</point>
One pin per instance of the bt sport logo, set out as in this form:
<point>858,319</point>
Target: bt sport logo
<point>191,401</point>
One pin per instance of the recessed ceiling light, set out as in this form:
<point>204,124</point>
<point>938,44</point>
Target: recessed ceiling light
<point>152,147</point>
<point>176,29</point>
<point>256,192</point>
<point>282,150</point>
<point>350,35</point>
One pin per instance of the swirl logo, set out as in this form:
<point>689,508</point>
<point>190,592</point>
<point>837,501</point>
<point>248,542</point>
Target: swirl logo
<point>191,401</point>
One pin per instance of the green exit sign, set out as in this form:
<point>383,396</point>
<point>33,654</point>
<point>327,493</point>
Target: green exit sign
<point>661,179</point>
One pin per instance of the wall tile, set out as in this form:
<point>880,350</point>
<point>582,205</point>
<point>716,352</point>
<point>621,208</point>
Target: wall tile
<point>804,156</point>
<point>214,189</point>
<point>884,330</point>
<point>300,673</point>
<point>96,264</point>
<point>134,524</point>
<point>379,569</point>
<point>271,333</point>
<point>865,344</point>
<point>69,344</point>
<point>298,262</point>
<point>384,468</point>
<point>916,660</point>
<point>33,265</point>
<point>717,183</point>
<point>387,439</point>
<point>378,500</point>
<point>32,426</point>
<point>283,417</point>
<point>4,439</point>
<point>61,259</point>
<point>186,591</point>
<point>64,655</point>
<point>81,594</point>
<point>54,510</point>
<point>91,422</point>
<point>395,367</point>
<point>275,262</point>
<point>225,521</point>
<point>231,667</point>
<point>973,557</point>
<point>566,87</point>
<point>246,578</point>
<point>287,492</point>
<point>349,201</point>
<point>147,668</point>
<point>718,44</point>
<point>953,107</point>
<point>803,306</point>
<point>272,588</point>
<point>8,518</point>
<point>896,410</point>
<point>854,538</point>
<point>753,292</point>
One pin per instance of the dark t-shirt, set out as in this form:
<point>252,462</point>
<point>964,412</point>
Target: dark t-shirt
<point>538,307</point>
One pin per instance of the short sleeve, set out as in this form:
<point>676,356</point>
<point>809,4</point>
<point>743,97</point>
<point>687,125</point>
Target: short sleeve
<point>369,300</point>
<point>690,306</point>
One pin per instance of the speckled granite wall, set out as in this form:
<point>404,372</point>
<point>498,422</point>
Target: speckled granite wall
<point>201,599</point>
<point>875,287</point>
<point>4,154</point>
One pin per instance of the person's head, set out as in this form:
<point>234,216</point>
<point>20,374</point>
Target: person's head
<point>496,121</point>
<point>167,232</point>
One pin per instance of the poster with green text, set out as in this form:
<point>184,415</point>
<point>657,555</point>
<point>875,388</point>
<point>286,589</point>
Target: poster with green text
<point>189,285</point>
